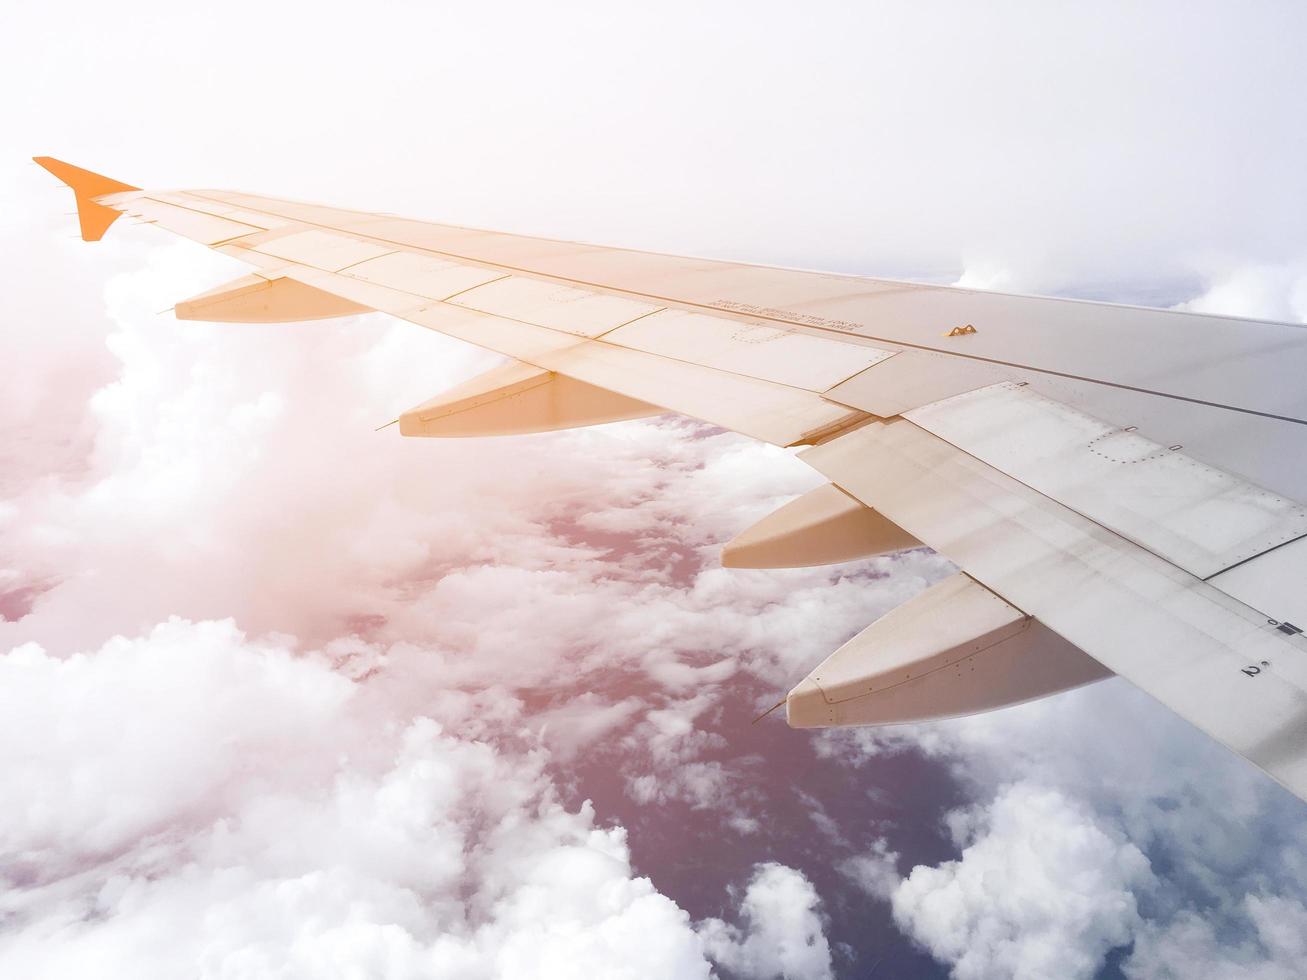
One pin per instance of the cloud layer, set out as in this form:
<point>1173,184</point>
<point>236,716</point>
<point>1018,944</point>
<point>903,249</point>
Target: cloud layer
<point>297,696</point>
<point>408,608</point>
<point>371,773</point>
<point>1040,890</point>
<point>245,801</point>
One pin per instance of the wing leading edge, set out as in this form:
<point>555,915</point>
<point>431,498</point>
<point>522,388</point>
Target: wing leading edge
<point>1040,449</point>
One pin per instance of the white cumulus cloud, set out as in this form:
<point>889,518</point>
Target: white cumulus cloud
<point>245,806</point>
<point>308,749</point>
<point>781,935</point>
<point>1039,891</point>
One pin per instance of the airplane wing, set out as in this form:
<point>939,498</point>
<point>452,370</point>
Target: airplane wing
<point>1118,486</point>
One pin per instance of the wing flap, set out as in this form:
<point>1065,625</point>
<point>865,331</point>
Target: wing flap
<point>910,379</point>
<point>1210,658</point>
<point>770,412</point>
<point>1272,582</point>
<point>1252,366</point>
<point>198,226</point>
<point>554,305</point>
<point>759,350</point>
<point>327,250</point>
<point>765,410</point>
<point>423,275</point>
<point>743,376</point>
<point>1194,515</point>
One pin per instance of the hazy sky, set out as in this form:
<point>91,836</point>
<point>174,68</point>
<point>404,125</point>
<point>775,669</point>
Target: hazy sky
<point>280,695</point>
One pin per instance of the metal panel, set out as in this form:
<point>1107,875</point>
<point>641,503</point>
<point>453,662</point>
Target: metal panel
<point>1250,365</point>
<point>510,337</point>
<point>1267,452</point>
<point>814,363</point>
<point>910,379</point>
<point>192,202</point>
<point>185,200</point>
<point>206,229</point>
<point>254,218</point>
<point>1211,659</point>
<point>554,305</point>
<point>1108,358</point>
<point>269,266</point>
<point>524,341</point>
<point>1275,583</point>
<point>370,295</point>
<point>1201,518</point>
<point>423,275</point>
<point>322,250</point>
<point>773,413</point>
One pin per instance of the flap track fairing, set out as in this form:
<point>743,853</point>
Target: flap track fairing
<point>265,299</point>
<point>822,527</point>
<point>515,399</point>
<point>955,649</point>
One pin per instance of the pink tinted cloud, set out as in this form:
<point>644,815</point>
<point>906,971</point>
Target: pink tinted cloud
<point>331,687</point>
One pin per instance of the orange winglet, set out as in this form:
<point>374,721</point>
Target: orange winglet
<point>95,218</point>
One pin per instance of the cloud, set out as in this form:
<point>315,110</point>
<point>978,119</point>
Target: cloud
<point>1075,146</point>
<point>1104,770</point>
<point>782,932</point>
<point>204,459</point>
<point>107,747</point>
<point>1039,891</point>
<point>875,871</point>
<point>246,802</point>
<point>1191,945</point>
<point>283,788</point>
<point>271,816</point>
<point>578,609</point>
<point>554,598</point>
<point>1263,291</point>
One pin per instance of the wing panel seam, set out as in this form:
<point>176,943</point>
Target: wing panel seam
<point>807,326</point>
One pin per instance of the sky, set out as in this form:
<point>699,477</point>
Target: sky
<point>281,695</point>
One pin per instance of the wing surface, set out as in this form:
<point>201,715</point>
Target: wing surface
<point>1128,478</point>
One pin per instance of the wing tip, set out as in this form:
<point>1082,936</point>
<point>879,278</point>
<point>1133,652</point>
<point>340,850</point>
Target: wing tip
<point>87,185</point>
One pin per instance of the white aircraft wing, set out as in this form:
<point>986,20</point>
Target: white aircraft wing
<point>1118,486</point>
